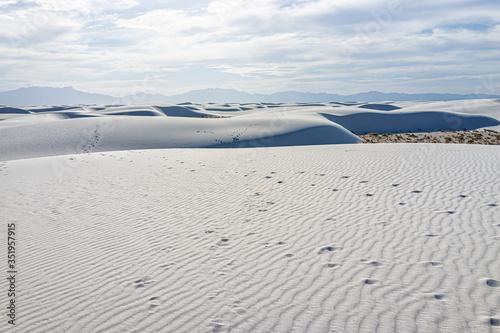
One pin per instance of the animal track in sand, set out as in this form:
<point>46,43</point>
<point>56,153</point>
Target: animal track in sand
<point>240,311</point>
<point>431,263</point>
<point>375,263</point>
<point>370,281</point>
<point>153,303</point>
<point>217,327</point>
<point>223,242</point>
<point>167,266</point>
<point>329,249</point>
<point>493,283</point>
<point>152,307</point>
<point>371,263</point>
<point>494,322</point>
<point>143,282</point>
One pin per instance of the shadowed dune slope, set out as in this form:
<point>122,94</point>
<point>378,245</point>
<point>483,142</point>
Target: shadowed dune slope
<point>383,122</point>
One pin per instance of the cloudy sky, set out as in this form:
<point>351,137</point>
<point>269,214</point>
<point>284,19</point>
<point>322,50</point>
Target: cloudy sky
<point>259,46</point>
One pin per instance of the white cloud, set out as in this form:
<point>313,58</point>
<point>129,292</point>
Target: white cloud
<point>86,6</point>
<point>272,44</point>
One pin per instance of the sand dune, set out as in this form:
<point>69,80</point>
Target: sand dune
<point>293,229</point>
<point>72,130</point>
<point>84,135</point>
<point>389,237</point>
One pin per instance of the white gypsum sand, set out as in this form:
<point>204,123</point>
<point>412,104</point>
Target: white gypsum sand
<point>52,131</point>
<point>302,238</point>
<point>389,237</point>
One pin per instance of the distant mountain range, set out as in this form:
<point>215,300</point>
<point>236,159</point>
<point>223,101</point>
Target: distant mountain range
<point>69,96</point>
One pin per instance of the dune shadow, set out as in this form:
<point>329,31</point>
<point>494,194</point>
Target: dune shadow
<point>55,108</point>
<point>143,113</point>
<point>178,111</point>
<point>379,107</point>
<point>14,110</point>
<point>318,135</point>
<point>423,121</point>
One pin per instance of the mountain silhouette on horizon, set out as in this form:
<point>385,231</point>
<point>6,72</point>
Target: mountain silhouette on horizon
<point>33,96</point>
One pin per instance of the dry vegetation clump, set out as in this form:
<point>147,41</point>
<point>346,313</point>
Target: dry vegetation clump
<point>481,137</point>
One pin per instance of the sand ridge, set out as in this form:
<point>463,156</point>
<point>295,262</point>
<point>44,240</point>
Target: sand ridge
<point>51,131</point>
<point>340,238</point>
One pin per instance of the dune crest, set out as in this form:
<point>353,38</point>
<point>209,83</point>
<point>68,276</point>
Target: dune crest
<point>52,131</point>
